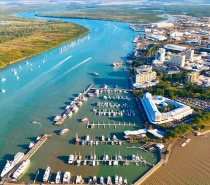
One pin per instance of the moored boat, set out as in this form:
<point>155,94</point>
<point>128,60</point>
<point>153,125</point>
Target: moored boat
<point>57,118</point>
<point>20,169</point>
<point>109,180</point>
<point>10,164</point>
<point>71,159</point>
<point>116,179</point>
<point>38,137</point>
<point>78,179</point>
<point>84,120</point>
<point>63,131</point>
<point>47,174</point>
<point>58,178</point>
<point>31,144</point>
<point>120,180</point>
<point>95,74</point>
<point>66,177</point>
<point>101,180</point>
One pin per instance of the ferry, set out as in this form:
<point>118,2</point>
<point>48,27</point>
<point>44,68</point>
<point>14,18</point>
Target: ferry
<point>95,74</point>
<point>71,159</point>
<point>46,174</point>
<point>63,131</point>
<point>66,177</point>
<point>20,169</point>
<point>31,144</point>
<point>10,164</point>
<point>84,120</point>
<point>58,178</point>
<point>78,179</point>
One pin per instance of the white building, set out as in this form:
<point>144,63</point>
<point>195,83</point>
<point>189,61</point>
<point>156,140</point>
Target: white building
<point>157,37</point>
<point>150,104</point>
<point>178,60</point>
<point>144,74</point>
<point>162,25</point>
<point>161,55</point>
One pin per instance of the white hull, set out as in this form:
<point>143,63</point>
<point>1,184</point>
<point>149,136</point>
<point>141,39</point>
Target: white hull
<point>21,169</point>
<point>10,164</point>
<point>47,174</point>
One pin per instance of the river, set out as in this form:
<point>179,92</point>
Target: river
<point>48,82</point>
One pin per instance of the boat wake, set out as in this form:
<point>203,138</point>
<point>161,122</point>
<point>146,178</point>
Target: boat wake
<point>116,28</point>
<point>35,122</point>
<point>68,71</point>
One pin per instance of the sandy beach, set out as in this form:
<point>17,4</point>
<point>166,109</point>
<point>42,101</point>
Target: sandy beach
<point>187,166</point>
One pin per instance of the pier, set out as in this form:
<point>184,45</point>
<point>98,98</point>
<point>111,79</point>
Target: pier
<point>111,89</point>
<point>88,89</point>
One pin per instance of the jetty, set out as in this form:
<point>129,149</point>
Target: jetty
<point>107,90</point>
<point>88,89</point>
<point>185,142</point>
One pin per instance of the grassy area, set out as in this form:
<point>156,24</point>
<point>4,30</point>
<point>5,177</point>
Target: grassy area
<point>113,14</point>
<point>23,39</point>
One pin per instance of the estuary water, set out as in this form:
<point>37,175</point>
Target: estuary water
<point>47,82</point>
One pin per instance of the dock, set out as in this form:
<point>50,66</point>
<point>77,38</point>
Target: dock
<point>88,89</point>
<point>111,89</point>
<point>184,144</point>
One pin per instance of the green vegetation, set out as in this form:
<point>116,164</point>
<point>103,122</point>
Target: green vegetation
<point>23,39</point>
<point>113,14</point>
<point>202,121</point>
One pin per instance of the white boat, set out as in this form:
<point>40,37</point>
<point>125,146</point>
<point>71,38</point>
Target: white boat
<point>17,77</point>
<point>87,138</point>
<point>94,179</point>
<point>66,178</point>
<point>75,109</point>
<point>63,131</point>
<point>3,90</point>
<point>78,179</point>
<point>38,137</point>
<point>56,118</point>
<point>116,64</point>
<point>95,74</point>
<point>14,72</point>
<point>31,144</point>
<point>116,179</point>
<point>10,164</point>
<point>125,182</point>
<point>3,79</point>
<point>21,169</point>
<point>46,174</point>
<point>120,180</point>
<point>109,180</point>
<point>71,159</point>
<point>69,114</point>
<point>58,178</point>
<point>84,120</point>
<point>101,180</point>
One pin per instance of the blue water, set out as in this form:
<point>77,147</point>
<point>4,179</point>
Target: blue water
<point>40,94</point>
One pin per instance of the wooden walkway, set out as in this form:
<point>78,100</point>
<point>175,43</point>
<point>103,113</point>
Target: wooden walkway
<point>88,89</point>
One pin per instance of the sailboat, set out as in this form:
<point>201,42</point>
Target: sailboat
<point>3,79</point>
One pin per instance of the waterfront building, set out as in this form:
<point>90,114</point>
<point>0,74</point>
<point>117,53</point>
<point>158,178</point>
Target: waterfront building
<point>177,60</point>
<point>161,55</point>
<point>162,25</point>
<point>151,106</point>
<point>144,74</point>
<point>191,77</point>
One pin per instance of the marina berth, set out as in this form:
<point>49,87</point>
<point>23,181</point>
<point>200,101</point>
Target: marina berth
<point>47,174</point>
<point>11,164</point>
<point>21,169</point>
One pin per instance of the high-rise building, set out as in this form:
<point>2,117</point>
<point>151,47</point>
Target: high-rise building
<point>178,60</point>
<point>189,53</point>
<point>161,55</point>
<point>191,77</point>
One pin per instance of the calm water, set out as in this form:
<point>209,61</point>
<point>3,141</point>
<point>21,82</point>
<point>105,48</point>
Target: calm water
<point>44,89</point>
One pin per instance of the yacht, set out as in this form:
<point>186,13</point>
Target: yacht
<point>38,137</point>
<point>84,120</point>
<point>109,180</point>
<point>71,159</point>
<point>46,174</point>
<point>101,180</point>
<point>125,182</point>
<point>66,178</point>
<point>120,180</point>
<point>21,169</point>
<point>10,164</point>
<point>63,131</point>
<point>116,179</point>
<point>78,179</point>
<point>3,90</point>
<point>95,74</point>
<point>94,179</point>
<point>31,144</point>
<point>58,178</point>
<point>56,118</point>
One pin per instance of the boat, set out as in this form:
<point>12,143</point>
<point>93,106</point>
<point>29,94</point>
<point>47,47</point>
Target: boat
<point>31,144</point>
<point>56,118</point>
<point>71,159</point>
<point>77,140</point>
<point>3,79</point>
<point>3,90</point>
<point>101,180</point>
<point>27,63</point>
<point>58,178</point>
<point>14,72</point>
<point>125,182</point>
<point>109,180</point>
<point>84,120</point>
<point>63,131</point>
<point>116,179</point>
<point>46,174</point>
<point>116,64</point>
<point>120,180</point>
<point>20,169</point>
<point>78,179</point>
<point>10,164</point>
<point>95,74</point>
<point>17,77</point>
<point>69,114</point>
<point>66,177</point>
<point>94,179</point>
<point>38,137</point>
